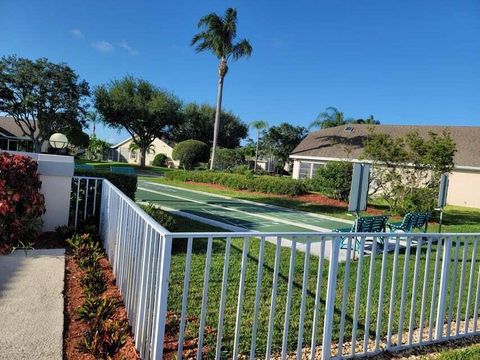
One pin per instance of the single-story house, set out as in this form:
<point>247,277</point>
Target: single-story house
<point>346,143</point>
<point>121,152</point>
<point>13,139</point>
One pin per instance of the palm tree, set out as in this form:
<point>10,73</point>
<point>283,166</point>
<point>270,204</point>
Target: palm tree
<point>331,117</point>
<point>258,125</point>
<point>218,35</point>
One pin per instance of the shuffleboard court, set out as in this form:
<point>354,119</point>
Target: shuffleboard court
<point>234,213</point>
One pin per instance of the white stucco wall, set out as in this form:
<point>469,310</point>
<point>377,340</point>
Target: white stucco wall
<point>159,147</point>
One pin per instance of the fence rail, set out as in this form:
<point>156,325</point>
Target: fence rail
<point>287,295</point>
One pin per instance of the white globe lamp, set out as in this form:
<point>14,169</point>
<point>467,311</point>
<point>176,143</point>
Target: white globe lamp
<point>58,141</point>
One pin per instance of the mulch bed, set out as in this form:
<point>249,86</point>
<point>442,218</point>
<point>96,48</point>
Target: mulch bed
<point>74,328</point>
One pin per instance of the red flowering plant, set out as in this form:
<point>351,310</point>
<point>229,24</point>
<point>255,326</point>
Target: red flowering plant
<point>21,203</point>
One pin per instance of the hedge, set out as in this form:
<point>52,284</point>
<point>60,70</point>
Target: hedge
<point>265,184</point>
<point>126,183</point>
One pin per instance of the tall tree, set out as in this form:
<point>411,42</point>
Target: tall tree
<point>42,97</point>
<point>198,124</point>
<point>258,125</point>
<point>331,117</point>
<point>218,36</point>
<point>139,107</point>
<point>282,139</point>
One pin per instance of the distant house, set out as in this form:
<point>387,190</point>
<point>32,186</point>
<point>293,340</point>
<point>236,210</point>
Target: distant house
<point>122,152</point>
<point>13,139</point>
<point>346,143</point>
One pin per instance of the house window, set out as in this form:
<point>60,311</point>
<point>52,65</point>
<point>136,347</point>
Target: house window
<point>133,155</point>
<point>308,169</point>
<point>13,145</point>
<point>305,168</point>
<point>3,144</point>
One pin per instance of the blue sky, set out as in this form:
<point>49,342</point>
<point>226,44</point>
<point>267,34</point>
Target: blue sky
<point>405,62</point>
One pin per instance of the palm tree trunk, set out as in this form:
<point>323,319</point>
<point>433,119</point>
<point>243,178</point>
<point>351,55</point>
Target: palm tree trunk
<point>222,70</point>
<point>143,153</point>
<point>256,152</point>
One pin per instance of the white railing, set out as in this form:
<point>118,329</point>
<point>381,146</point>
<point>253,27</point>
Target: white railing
<point>231,295</point>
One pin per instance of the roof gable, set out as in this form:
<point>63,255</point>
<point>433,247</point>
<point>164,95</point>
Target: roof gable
<point>336,143</point>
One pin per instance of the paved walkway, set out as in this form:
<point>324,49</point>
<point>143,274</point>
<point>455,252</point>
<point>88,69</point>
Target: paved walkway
<point>31,305</point>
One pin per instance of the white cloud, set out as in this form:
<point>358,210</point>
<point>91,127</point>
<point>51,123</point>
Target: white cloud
<point>103,46</point>
<point>77,33</point>
<point>124,45</point>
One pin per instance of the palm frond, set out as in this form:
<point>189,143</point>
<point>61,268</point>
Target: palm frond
<point>241,49</point>
<point>230,23</point>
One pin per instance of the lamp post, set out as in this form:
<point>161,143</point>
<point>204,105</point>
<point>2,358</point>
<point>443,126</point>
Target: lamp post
<point>58,141</point>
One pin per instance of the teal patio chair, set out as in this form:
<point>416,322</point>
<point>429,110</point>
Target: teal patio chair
<point>370,224</point>
<point>410,222</point>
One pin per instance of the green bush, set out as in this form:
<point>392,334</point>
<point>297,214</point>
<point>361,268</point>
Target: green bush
<point>333,179</point>
<point>126,183</point>
<point>417,200</point>
<point>265,184</point>
<point>162,217</point>
<point>190,153</point>
<point>160,160</point>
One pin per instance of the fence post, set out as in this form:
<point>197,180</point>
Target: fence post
<point>442,295</point>
<point>162,298</point>
<point>330,298</point>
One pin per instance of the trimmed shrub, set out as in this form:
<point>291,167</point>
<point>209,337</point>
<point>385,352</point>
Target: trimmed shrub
<point>126,183</point>
<point>21,203</point>
<point>162,217</point>
<point>333,179</point>
<point>190,153</point>
<point>160,160</point>
<point>265,184</point>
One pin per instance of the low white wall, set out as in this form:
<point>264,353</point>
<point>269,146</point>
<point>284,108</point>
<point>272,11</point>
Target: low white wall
<point>56,173</point>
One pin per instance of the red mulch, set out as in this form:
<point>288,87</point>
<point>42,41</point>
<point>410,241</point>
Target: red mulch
<point>309,198</point>
<point>74,328</point>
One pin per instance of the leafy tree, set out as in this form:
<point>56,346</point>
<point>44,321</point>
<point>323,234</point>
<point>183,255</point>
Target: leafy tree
<point>198,124</point>
<point>76,137</point>
<point>406,170</point>
<point>229,158</point>
<point>368,121</point>
<point>282,139</point>
<point>160,160</point>
<point>258,125</point>
<point>136,105</point>
<point>96,147</point>
<point>190,153</point>
<point>218,36</point>
<point>42,97</point>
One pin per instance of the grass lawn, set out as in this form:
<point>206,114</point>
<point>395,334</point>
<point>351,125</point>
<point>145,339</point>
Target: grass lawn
<point>469,353</point>
<point>456,218</point>
<point>215,287</point>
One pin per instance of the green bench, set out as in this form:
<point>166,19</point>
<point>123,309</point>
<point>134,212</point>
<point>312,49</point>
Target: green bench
<point>122,170</point>
<point>367,224</point>
<point>410,222</point>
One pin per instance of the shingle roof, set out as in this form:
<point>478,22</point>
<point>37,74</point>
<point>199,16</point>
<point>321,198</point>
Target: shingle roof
<point>340,144</point>
<point>9,128</point>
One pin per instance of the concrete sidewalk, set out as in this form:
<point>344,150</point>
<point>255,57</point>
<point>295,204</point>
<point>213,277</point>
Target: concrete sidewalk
<point>31,304</point>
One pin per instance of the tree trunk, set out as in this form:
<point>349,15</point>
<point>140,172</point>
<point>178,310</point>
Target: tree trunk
<point>256,152</point>
<point>143,153</point>
<point>222,70</point>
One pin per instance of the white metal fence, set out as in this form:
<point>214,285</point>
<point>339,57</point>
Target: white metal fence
<point>242,295</point>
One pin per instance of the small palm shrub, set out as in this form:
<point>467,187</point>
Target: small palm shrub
<point>93,282</point>
<point>96,311</point>
<point>105,341</point>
